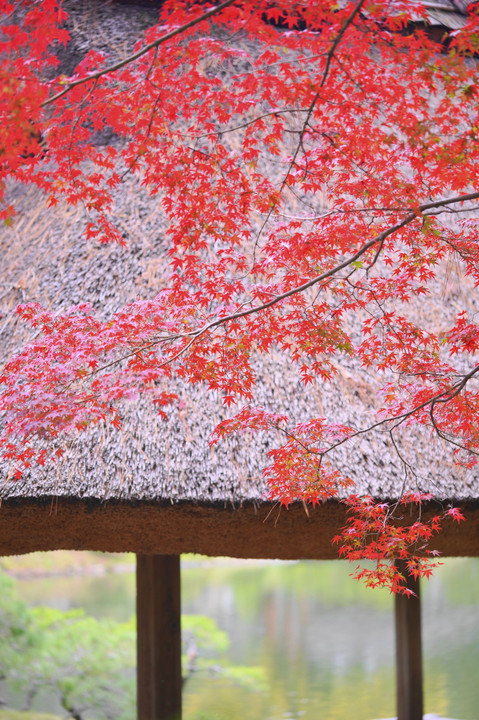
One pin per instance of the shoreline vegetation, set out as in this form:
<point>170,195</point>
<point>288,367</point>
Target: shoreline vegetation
<point>63,563</point>
<point>27,715</point>
<point>97,679</point>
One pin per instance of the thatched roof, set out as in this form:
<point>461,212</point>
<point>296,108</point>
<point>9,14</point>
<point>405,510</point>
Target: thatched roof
<point>450,14</point>
<point>128,476</point>
<point>45,259</point>
<point>156,485</point>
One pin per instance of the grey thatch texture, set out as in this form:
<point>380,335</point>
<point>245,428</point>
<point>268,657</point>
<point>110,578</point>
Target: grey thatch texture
<point>455,6</point>
<point>45,259</point>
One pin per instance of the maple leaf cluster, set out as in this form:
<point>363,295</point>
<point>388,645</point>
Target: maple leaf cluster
<point>318,167</point>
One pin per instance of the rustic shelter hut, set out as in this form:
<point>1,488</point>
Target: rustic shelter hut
<point>155,487</point>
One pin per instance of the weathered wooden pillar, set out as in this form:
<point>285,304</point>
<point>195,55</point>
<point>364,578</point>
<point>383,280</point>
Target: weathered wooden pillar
<point>158,609</point>
<point>409,651</point>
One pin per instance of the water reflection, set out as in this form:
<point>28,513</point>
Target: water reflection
<point>326,644</point>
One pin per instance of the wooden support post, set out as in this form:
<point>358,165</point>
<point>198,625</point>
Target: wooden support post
<point>158,609</point>
<point>409,651</point>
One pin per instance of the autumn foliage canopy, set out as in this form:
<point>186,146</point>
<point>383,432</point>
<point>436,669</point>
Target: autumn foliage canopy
<point>318,164</point>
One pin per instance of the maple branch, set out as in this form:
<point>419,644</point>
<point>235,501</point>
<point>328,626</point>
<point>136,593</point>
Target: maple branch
<point>406,466</point>
<point>448,201</point>
<point>460,386</point>
<point>338,39</point>
<point>139,53</point>
<point>444,436</point>
<point>247,123</point>
<point>198,333</point>
<point>380,238</point>
<point>310,110</point>
<point>442,397</point>
<point>147,135</point>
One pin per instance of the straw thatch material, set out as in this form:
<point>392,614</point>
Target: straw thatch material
<point>156,484</point>
<point>450,14</point>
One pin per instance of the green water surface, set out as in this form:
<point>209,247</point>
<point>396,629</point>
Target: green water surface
<point>325,643</point>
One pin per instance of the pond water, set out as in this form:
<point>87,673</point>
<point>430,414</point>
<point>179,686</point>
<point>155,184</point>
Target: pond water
<point>325,643</point>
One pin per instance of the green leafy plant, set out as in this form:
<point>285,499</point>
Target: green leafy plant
<point>89,664</point>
